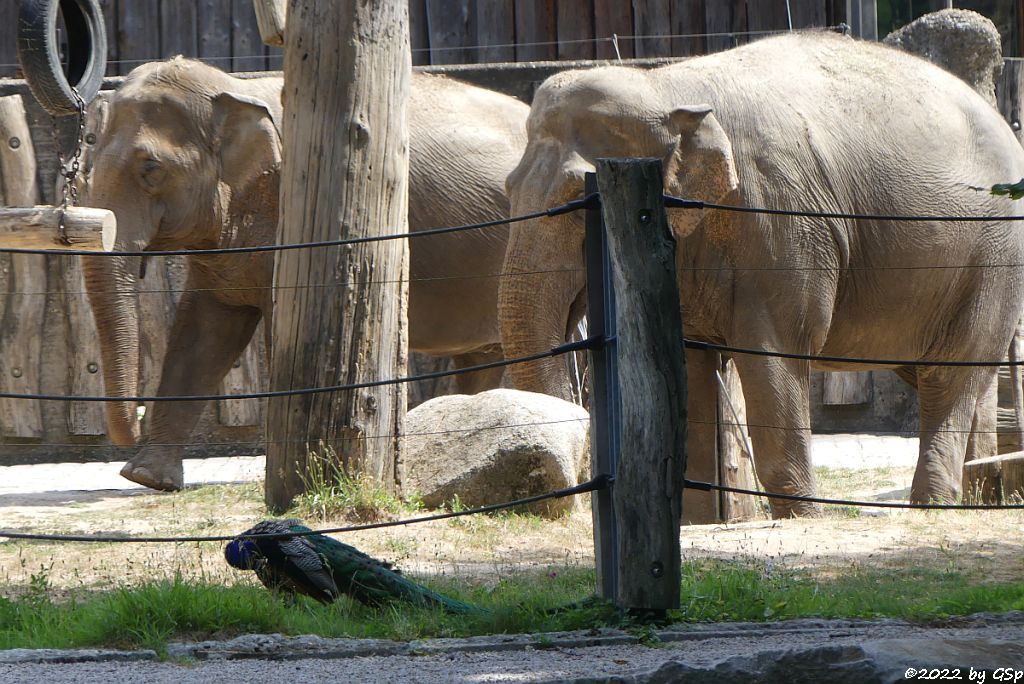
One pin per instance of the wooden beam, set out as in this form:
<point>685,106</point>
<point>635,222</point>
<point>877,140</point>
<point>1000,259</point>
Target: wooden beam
<point>647,493</point>
<point>995,480</point>
<point>270,15</point>
<point>36,228</point>
<point>347,68</point>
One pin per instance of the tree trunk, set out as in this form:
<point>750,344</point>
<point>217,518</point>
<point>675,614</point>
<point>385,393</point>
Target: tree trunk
<point>347,73</point>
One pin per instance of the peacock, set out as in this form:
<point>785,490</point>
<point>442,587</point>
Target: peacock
<point>324,568</point>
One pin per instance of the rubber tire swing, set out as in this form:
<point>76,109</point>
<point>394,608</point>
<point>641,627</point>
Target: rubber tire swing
<point>39,53</point>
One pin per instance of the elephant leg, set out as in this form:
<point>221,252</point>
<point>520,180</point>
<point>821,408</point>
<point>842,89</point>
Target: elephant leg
<point>478,381</point>
<point>777,392</point>
<point>983,440</point>
<point>949,399</point>
<point>206,338</point>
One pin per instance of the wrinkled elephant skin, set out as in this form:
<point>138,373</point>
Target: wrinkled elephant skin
<point>811,121</point>
<point>188,157</point>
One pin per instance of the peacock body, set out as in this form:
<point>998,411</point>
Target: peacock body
<point>324,568</point>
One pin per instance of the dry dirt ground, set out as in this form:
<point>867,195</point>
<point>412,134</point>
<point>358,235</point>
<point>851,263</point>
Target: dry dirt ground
<point>485,549</point>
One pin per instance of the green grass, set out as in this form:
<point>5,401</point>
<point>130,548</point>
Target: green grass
<point>154,614</point>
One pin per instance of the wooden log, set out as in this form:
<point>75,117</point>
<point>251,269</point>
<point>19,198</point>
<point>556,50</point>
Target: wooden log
<point>270,15</point>
<point>842,388</point>
<point>995,480</point>
<point>348,66</point>
<point>88,229</point>
<point>648,493</point>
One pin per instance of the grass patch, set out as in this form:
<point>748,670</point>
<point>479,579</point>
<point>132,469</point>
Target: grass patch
<point>331,493</point>
<point>746,591</point>
<point>153,614</point>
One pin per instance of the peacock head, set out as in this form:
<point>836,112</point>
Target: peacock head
<point>242,554</point>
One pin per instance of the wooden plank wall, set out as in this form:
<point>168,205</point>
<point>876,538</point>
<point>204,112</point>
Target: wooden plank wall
<point>224,32</point>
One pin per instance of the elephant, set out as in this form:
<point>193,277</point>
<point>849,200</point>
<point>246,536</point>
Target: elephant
<point>188,157</point>
<point>810,121</point>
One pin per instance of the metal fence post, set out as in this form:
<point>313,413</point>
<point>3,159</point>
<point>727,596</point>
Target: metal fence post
<point>651,384</point>
<point>604,396</point>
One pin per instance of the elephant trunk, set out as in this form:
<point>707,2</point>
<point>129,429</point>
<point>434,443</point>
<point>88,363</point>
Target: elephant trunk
<point>535,311</point>
<point>110,282</point>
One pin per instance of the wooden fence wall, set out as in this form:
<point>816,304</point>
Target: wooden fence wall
<point>224,32</point>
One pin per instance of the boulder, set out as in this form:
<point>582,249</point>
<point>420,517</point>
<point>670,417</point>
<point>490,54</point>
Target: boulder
<point>494,447</point>
<point>960,41</point>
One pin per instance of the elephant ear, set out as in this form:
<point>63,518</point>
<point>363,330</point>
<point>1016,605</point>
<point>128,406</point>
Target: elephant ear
<point>701,167</point>
<point>246,138</point>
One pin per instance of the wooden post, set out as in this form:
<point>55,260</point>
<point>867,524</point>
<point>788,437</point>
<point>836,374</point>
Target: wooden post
<point>270,16</point>
<point>647,494</point>
<point>339,314</point>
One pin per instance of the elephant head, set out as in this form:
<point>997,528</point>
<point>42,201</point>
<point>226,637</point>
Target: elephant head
<point>173,146</point>
<point>578,117</point>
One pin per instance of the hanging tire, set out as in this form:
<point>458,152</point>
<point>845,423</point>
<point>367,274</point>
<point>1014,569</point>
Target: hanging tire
<point>39,53</point>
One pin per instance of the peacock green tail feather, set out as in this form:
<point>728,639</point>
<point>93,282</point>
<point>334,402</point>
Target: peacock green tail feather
<point>375,582</point>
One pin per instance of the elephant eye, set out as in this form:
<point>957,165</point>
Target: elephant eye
<point>153,173</point>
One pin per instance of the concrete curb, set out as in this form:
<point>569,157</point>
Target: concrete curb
<point>279,647</point>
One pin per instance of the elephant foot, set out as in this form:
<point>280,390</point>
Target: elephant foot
<point>796,509</point>
<point>166,474</point>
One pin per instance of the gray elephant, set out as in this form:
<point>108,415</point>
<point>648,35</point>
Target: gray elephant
<point>805,121</point>
<point>189,157</point>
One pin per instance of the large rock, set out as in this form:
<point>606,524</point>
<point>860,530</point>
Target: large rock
<point>962,42</point>
<point>494,447</point>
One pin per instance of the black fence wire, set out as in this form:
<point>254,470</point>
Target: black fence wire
<point>680,203</point>
<point>594,484</point>
<point>747,351</point>
<point>339,440</point>
<point>568,207</point>
<point>557,351</point>
<point>308,286</point>
<point>708,486</point>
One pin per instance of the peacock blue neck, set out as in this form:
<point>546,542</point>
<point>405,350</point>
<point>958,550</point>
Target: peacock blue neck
<point>241,554</point>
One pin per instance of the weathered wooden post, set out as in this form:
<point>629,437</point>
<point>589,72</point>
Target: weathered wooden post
<point>339,314</point>
<point>647,495</point>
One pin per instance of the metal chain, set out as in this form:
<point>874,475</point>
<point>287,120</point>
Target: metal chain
<point>69,168</point>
